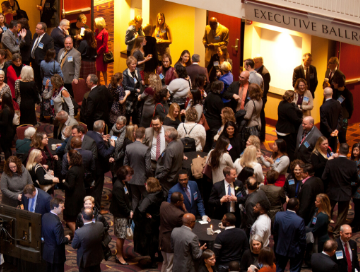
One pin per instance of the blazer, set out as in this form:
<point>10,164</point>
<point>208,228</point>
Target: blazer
<point>342,263</point>
<point>234,89</point>
<point>194,70</point>
<point>303,151</point>
<point>88,242</point>
<point>42,202</point>
<point>170,218</point>
<point>98,105</point>
<point>289,117</point>
<point>289,234</point>
<point>8,39</point>
<point>120,205</point>
<point>299,73</point>
<point>307,196</point>
<point>196,206</point>
<point>87,144</point>
<point>48,69</point>
<point>213,106</point>
<point>71,66</point>
<point>185,245</point>
<point>266,78</point>
<point>323,263</point>
<point>150,48</point>
<point>130,85</point>
<point>149,135</point>
<point>339,174</point>
<point>137,156</point>
<point>87,161</point>
<point>54,239</point>
<point>330,117</point>
<point>337,73</point>
<point>218,191</point>
<point>59,39</point>
<point>47,42</point>
<point>306,106</point>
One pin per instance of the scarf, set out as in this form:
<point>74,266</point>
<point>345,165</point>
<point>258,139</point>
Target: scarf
<point>119,142</point>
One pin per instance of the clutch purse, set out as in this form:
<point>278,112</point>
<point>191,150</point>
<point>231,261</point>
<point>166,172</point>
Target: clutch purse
<point>108,57</point>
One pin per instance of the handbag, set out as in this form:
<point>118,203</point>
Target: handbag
<point>204,122</point>
<point>207,171</point>
<point>48,175</point>
<point>16,118</point>
<point>129,231</point>
<point>189,143</point>
<point>108,57</point>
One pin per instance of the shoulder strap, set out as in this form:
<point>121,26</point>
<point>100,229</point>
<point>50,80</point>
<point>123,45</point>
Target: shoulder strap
<point>185,129</point>
<point>192,128</point>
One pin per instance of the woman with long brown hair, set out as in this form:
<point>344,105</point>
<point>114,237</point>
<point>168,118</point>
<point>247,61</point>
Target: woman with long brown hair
<point>149,101</point>
<point>139,54</point>
<point>40,141</point>
<point>173,118</point>
<point>87,49</point>
<point>163,36</point>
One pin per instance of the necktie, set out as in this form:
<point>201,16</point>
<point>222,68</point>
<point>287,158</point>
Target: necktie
<point>63,59</point>
<point>330,75</point>
<point>34,48</point>
<point>347,253</point>
<point>303,138</point>
<point>188,194</point>
<point>158,146</point>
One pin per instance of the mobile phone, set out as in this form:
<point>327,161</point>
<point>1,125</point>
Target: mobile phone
<point>229,147</point>
<point>114,138</point>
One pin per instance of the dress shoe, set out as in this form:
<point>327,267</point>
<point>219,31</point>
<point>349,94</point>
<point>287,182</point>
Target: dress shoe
<point>118,261</point>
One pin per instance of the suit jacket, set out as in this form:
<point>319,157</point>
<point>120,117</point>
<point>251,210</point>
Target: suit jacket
<point>234,89</point>
<point>218,191</point>
<point>196,206</point>
<point>59,39</point>
<point>323,263</point>
<point>221,38</point>
<point>307,196</point>
<point>185,245</point>
<point>337,73</point>
<point>9,40</point>
<point>47,42</point>
<point>330,117</point>
<point>299,73</point>
<point>266,78</point>
<point>137,156</point>
<point>87,144</point>
<point>289,234</point>
<point>301,151</point>
<point>342,263</point>
<point>72,122</point>
<point>149,135</point>
<point>88,242</point>
<point>289,118</point>
<point>120,205</point>
<point>170,218</point>
<point>54,239</point>
<point>339,173</point>
<point>42,202</point>
<point>98,105</point>
<point>194,70</point>
<point>87,161</point>
<point>103,151</point>
<point>71,66</point>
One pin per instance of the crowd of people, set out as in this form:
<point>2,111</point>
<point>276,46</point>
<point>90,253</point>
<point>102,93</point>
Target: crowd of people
<point>144,124</point>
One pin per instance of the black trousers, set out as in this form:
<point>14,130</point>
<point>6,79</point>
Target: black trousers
<point>295,263</point>
<point>94,268</point>
<point>333,143</point>
<point>55,267</point>
<point>37,74</point>
<point>98,188</point>
<point>343,208</point>
<point>290,144</point>
<point>356,221</point>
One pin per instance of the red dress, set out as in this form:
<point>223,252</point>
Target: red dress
<point>101,47</point>
<point>11,78</point>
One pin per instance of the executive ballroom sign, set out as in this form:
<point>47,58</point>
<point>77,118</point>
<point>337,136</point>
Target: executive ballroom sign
<point>310,24</point>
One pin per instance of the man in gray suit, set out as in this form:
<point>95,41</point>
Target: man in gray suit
<point>87,142</point>
<point>70,63</point>
<point>65,120</point>
<point>137,156</point>
<point>306,139</point>
<point>186,245</point>
<point>170,161</point>
<point>10,40</point>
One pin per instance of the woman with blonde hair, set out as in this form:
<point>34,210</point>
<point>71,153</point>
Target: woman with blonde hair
<point>320,155</point>
<point>225,76</point>
<point>163,36</point>
<point>173,119</point>
<point>134,30</point>
<point>149,102</point>
<point>227,114</point>
<point>101,36</point>
<point>303,98</point>
<point>249,159</point>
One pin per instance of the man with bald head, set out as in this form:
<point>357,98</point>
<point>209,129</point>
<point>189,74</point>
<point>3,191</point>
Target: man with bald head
<point>347,248</point>
<point>186,245</point>
<point>306,139</point>
<point>322,262</point>
<point>330,118</point>
<point>70,63</point>
<point>216,35</point>
<point>238,92</point>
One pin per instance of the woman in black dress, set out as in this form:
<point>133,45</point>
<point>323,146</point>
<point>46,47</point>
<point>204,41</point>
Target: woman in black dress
<point>147,221</point>
<point>27,96</point>
<point>74,188</point>
<point>250,256</point>
<point>7,129</point>
<point>230,132</point>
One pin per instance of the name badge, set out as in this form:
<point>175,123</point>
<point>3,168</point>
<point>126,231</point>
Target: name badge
<point>312,76</point>
<point>47,5</point>
<point>239,194</point>
<point>195,196</point>
<point>306,99</point>
<point>277,160</point>
<point>341,99</point>
<point>216,63</point>
<point>291,182</point>
<point>158,35</point>
<point>161,76</point>
<point>248,98</point>
<point>41,45</point>
<point>126,191</point>
<point>163,31</point>
<point>314,220</point>
<point>217,38</point>
<point>52,102</point>
<point>339,255</point>
<point>306,144</point>
<point>135,80</point>
<point>4,28</point>
<point>70,59</point>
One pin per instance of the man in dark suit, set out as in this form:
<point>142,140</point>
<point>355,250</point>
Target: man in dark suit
<point>192,197</point>
<point>290,237</point>
<point>310,188</point>
<point>340,175</point>
<point>102,162</point>
<point>333,71</point>
<point>170,217</point>
<point>137,156</point>
<point>261,69</point>
<point>54,238</point>
<point>170,161</point>
<point>307,72</point>
<point>59,34</point>
<point>226,194</point>
<point>35,200</point>
<point>98,102</point>
<point>42,42</point>
<point>88,242</point>
<point>306,139</point>
<point>87,143</point>
<point>330,118</point>
<point>195,69</point>
<point>322,262</point>
<point>346,255</point>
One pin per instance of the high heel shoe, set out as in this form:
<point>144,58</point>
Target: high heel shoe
<point>118,261</point>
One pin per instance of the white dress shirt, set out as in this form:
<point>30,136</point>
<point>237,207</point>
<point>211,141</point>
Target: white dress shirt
<point>162,143</point>
<point>232,203</point>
